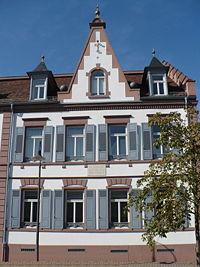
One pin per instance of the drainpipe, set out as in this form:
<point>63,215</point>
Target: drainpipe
<point>4,250</point>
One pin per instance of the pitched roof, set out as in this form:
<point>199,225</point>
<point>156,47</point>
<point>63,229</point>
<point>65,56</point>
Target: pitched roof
<point>156,64</point>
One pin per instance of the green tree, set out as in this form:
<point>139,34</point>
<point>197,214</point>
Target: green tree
<point>173,181</point>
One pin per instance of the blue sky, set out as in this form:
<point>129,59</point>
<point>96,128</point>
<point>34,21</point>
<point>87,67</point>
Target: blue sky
<point>59,29</point>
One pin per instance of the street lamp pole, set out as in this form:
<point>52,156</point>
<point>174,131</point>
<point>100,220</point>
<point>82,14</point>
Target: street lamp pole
<point>38,158</point>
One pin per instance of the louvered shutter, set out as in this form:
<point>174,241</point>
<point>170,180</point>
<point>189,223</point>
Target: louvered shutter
<point>15,209</point>
<point>60,143</point>
<point>147,141</point>
<point>48,143</point>
<point>90,143</point>
<point>19,144</point>
<point>46,209</point>
<point>103,209</point>
<point>149,213</point>
<point>136,216</point>
<point>58,209</point>
<point>103,142</point>
<point>90,201</point>
<point>133,142</point>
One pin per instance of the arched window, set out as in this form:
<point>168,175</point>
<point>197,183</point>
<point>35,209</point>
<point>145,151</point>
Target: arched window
<point>98,82</point>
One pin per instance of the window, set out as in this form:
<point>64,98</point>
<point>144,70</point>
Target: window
<point>118,211</point>
<point>75,143</point>
<point>38,89</point>
<point>29,207</point>
<point>117,142</point>
<point>74,208</point>
<point>158,84</point>
<point>160,150</point>
<point>98,83</point>
<point>33,143</point>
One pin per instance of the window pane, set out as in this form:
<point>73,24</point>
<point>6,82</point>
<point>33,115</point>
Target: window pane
<point>69,212</point>
<point>161,88</point>
<point>29,149</point>
<point>34,215</point>
<point>70,146</point>
<point>123,212</point>
<point>79,146</point>
<point>122,145</point>
<point>155,90</point>
<point>38,147</point>
<point>97,73</point>
<point>117,129</point>
<point>74,195</point>
<point>118,194</point>
<point>114,211</point>
<point>157,77</point>
<point>94,86</point>
<point>79,212</point>
<point>101,86</point>
<point>27,211</point>
<point>30,194</point>
<point>30,132</point>
<point>113,141</point>
<point>35,92</point>
<point>41,92</point>
<point>74,131</point>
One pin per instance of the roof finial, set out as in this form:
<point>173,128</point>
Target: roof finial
<point>153,52</point>
<point>42,58</point>
<point>97,12</point>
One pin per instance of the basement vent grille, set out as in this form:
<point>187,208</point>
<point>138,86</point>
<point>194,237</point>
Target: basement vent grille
<point>165,250</point>
<point>119,251</point>
<point>76,250</point>
<point>27,249</point>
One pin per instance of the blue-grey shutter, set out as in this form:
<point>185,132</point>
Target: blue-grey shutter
<point>58,209</point>
<point>147,141</point>
<point>103,142</point>
<point>19,144</point>
<point>149,213</point>
<point>103,209</point>
<point>136,216</point>
<point>133,144</point>
<point>48,143</point>
<point>90,143</point>
<point>15,209</point>
<point>90,218</point>
<point>46,209</point>
<point>60,143</point>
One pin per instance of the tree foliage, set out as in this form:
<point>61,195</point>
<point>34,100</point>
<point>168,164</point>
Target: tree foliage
<point>173,181</point>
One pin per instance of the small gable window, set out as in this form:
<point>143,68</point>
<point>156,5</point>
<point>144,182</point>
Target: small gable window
<point>98,83</point>
<point>39,89</point>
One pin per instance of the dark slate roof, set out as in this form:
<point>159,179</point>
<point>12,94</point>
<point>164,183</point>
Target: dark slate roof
<point>41,68</point>
<point>155,63</point>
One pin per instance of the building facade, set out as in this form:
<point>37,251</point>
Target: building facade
<point>91,127</point>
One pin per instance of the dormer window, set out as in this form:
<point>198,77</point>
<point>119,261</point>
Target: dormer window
<point>39,89</point>
<point>98,83</point>
<point>158,84</point>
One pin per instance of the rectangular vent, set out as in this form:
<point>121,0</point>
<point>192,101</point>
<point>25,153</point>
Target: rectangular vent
<point>119,251</point>
<point>76,250</point>
<point>165,250</point>
<point>27,249</point>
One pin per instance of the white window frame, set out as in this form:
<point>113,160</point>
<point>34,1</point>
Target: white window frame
<point>31,223</point>
<point>97,81</point>
<point>75,136</point>
<point>74,224</point>
<point>119,201</point>
<point>38,86</point>
<point>117,135</point>
<point>163,80</point>
<point>34,137</point>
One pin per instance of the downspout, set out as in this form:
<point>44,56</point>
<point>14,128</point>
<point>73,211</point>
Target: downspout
<point>4,250</point>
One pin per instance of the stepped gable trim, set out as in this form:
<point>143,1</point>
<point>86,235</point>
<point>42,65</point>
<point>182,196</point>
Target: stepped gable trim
<point>114,182</point>
<point>74,183</point>
<point>4,156</point>
<point>181,79</point>
<point>38,122</point>
<point>31,183</point>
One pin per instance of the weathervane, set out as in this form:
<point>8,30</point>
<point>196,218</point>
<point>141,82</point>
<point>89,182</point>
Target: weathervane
<point>97,11</point>
<point>153,52</point>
